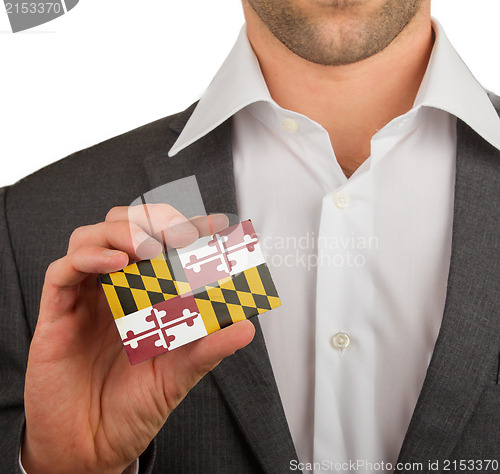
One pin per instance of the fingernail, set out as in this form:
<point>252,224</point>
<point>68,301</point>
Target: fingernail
<point>180,225</point>
<point>111,253</point>
<point>143,238</point>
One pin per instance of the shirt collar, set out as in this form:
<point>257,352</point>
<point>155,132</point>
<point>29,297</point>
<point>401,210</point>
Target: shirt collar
<point>238,83</point>
<point>447,85</point>
<point>450,86</point>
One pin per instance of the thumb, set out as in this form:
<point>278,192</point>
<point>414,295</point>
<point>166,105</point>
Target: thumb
<point>186,365</point>
<point>215,347</point>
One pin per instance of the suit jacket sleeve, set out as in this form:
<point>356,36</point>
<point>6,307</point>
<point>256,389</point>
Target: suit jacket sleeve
<point>15,337</point>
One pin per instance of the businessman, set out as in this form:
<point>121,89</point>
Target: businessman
<point>351,125</point>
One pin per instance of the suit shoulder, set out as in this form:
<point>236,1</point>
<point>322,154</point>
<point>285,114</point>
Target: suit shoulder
<point>82,187</point>
<point>103,169</point>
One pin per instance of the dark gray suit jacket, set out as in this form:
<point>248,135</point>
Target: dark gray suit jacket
<point>233,420</point>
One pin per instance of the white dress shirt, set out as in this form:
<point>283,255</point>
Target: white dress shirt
<point>360,264</point>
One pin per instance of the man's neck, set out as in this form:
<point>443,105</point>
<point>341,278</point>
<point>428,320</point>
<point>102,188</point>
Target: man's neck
<point>351,102</point>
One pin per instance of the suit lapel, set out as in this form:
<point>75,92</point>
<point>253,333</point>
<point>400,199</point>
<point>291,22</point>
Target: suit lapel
<point>248,385</point>
<point>209,158</point>
<point>246,379</point>
<point>466,347</point>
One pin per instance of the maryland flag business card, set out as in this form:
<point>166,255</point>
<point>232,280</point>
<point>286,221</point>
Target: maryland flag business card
<point>188,293</point>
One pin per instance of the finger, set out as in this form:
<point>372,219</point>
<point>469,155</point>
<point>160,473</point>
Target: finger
<point>63,276</point>
<point>162,221</point>
<point>205,225</point>
<point>211,224</point>
<point>118,235</point>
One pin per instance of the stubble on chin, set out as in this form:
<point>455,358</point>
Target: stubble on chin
<point>346,33</point>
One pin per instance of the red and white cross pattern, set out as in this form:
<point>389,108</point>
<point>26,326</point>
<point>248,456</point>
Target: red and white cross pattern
<point>160,328</point>
<point>224,254</point>
<point>172,323</point>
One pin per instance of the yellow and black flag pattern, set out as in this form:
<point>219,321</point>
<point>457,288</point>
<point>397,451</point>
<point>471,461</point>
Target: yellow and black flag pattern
<point>141,285</point>
<point>233,299</point>
<point>187,293</point>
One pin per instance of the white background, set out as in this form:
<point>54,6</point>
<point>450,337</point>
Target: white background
<point>109,66</point>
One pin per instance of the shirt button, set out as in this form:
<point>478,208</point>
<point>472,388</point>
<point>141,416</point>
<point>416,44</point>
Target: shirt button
<point>340,341</point>
<point>341,200</point>
<point>290,125</point>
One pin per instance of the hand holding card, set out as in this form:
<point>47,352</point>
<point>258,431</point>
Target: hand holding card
<point>185,294</point>
<point>86,407</point>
